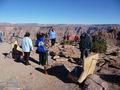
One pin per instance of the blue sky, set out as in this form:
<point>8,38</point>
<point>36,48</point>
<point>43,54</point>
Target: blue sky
<point>60,11</point>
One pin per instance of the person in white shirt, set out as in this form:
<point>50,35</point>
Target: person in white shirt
<point>27,47</point>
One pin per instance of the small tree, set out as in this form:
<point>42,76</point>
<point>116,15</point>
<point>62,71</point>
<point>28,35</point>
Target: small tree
<point>99,44</point>
<point>66,42</point>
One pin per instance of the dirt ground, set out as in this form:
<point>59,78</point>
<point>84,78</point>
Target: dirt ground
<point>17,76</point>
<point>32,77</point>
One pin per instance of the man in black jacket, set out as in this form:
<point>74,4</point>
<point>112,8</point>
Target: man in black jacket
<point>85,46</point>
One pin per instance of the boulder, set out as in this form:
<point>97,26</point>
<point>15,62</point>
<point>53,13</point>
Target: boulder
<point>61,59</point>
<point>118,53</point>
<point>66,51</point>
<point>71,51</point>
<point>94,82</point>
<point>101,63</point>
<point>105,71</point>
<point>56,57</point>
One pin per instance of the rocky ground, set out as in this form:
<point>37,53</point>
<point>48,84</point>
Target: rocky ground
<point>17,76</point>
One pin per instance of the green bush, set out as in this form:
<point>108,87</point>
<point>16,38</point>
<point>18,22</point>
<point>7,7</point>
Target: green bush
<point>99,44</point>
<point>68,42</point>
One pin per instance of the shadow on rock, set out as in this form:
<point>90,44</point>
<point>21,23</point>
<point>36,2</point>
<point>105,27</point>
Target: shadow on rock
<point>75,61</point>
<point>112,54</point>
<point>111,78</point>
<point>60,72</point>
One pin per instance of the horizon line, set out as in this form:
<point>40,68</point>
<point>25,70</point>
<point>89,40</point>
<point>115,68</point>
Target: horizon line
<point>57,24</point>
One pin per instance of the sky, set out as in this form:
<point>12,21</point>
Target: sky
<point>60,11</point>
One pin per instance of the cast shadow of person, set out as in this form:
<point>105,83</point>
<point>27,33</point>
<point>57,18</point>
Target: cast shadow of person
<point>61,73</point>
<point>58,71</point>
<point>33,60</point>
<point>40,70</point>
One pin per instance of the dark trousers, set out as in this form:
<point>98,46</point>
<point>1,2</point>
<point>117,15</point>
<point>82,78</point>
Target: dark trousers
<point>43,58</point>
<point>26,57</point>
<point>84,53</point>
<point>53,42</point>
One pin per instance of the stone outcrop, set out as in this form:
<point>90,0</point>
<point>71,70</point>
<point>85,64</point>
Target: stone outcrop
<point>94,82</point>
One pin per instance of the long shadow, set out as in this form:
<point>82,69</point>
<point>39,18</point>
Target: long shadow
<point>20,61</point>
<point>33,60</point>
<point>112,54</point>
<point>111,78</point>
<point>30,58</point>
<point>40,70</point>
<point>5,54</point>
<point>58,71</point>
<point>76,61</point>
<point>61,73</point>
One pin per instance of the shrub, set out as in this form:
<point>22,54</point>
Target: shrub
<point>68,42</point>
<point>99,44</point>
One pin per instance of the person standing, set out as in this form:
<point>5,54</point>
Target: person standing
<point>52,35</point>
<point>43,54</point>
<point>1,36</point>
<point>85,46</point>
<point>27,47</point>
<point>76,39</point>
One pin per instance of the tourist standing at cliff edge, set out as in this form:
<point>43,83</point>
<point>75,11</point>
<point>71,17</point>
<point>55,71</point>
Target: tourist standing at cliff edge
<point>27,47</point>
<point>52,36</point>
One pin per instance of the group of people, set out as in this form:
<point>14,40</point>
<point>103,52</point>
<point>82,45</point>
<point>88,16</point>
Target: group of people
<point>42,44</point>
<point>68,37</point>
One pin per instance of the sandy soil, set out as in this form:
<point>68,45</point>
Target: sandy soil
<point>30,77</point>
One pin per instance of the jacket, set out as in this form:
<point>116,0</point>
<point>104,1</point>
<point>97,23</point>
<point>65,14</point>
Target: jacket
<point>85,43</point>
<point>42,49</point>
<point>52,35</point>
<point>40,39</point>
<point>27,45</point>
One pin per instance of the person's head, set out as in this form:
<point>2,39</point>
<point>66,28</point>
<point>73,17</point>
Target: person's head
<point>52,29</point>
<point>81,37</point>
<point>86,35</point>
<point>38,35</point>
<point>27,34</point>
<point>15,46</point>
<point>46,35</point>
